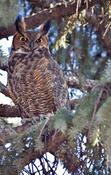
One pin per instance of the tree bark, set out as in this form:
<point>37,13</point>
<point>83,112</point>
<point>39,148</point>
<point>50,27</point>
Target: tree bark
<point>9,111</point>
<point>41,3</point>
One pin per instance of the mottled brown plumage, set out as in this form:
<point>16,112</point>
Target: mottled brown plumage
<point>36,83</point>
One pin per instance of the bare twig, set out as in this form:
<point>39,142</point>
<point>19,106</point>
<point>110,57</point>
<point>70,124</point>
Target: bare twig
<point>78,5</point>
<point>107,29</point>
<point>95,110</point>
<point>85,162</point>
<point>86,1</point>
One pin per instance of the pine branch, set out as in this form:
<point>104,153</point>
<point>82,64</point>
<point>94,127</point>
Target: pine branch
<point>50,146</point>
<point>52,142</point>
<point>58,11</point>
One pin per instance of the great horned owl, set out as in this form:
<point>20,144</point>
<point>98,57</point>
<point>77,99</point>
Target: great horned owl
<point>36,83</point>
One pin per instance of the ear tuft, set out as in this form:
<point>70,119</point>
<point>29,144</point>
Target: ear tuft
<point>46,27</point>
<point>20,24</point>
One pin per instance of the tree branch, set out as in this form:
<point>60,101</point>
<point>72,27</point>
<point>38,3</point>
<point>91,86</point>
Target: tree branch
<point>9,111</point>
<point>60,10</point>
<point>41,3</point>
<point>3,67</point>
<point>4,90</point>
<point>50,146</point>
<point>51,143</point>
<point>74,82</point>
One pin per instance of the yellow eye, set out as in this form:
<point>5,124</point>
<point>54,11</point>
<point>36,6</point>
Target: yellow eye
<point>22,38</point>
<point>39,40</point>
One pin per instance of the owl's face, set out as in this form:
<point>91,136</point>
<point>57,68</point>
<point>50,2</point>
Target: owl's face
<point>26,41</point>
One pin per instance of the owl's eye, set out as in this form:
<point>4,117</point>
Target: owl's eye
<point>22,38</point>
<point>39,40</point>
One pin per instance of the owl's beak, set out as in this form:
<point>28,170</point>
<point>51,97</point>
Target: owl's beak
<point>31,45</point>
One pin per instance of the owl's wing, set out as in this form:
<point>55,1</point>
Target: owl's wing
<point>50,78</point>
<point>59,86</point>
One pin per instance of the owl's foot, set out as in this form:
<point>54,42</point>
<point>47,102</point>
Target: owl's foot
<point>34,120</point>
<point>31,120</point>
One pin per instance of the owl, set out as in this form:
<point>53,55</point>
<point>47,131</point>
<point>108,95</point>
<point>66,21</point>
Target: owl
<point>35,81</point>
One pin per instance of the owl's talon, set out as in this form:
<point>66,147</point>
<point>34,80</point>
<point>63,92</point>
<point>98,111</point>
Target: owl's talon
<point>33,121</point>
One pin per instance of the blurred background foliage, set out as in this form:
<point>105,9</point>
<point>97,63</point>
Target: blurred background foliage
<point>80,51</point>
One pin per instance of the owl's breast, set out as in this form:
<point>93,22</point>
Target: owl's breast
<point>36,84</point>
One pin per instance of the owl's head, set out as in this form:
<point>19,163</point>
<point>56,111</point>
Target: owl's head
<point>26,41</point>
